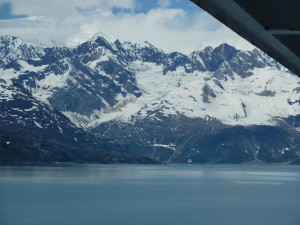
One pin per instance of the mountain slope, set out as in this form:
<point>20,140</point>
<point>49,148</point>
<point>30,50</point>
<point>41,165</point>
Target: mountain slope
<point>32,131</point>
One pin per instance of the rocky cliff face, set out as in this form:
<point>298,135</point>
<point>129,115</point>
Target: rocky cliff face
<point>220,105</point>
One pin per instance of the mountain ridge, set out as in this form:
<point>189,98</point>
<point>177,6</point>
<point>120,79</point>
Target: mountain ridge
<point>100,85</point>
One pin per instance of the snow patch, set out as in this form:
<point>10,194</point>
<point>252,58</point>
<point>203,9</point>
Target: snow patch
<point>170,146</point>
<point>37,124</point>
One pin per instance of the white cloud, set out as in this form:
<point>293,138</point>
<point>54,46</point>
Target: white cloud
<point>64,7</point>
<point>164,3</point>
<point>74,21</point>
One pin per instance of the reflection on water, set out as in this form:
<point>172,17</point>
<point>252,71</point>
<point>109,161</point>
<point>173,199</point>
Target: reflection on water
<point>94,171</point>
<point>149,194</point>
<point>258,182</point>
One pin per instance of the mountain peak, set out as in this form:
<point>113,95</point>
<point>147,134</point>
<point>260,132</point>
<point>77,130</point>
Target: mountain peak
<point>147,43</point>
<point>225,46</point>
<point>12,48</point>
<point>10,40</point>
<point>207,49</point>
<point>104,36</point>
<point>226,51</point>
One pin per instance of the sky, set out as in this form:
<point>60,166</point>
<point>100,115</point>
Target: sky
<point>172,25</point>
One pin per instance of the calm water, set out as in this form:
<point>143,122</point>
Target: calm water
<point>150,195</point>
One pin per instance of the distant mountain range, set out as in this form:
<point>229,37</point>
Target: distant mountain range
<point>125,102</point>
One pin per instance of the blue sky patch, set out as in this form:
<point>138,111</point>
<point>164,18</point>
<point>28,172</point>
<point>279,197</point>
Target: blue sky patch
<point>144,6</point>
<point>172,25</point>
<point>5,12</point>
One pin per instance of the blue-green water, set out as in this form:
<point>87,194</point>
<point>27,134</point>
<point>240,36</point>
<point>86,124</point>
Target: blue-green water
<point>150,195</point>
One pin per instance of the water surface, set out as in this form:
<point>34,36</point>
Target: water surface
<point>150,195</point>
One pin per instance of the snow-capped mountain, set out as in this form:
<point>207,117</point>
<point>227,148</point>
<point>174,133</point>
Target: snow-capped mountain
<point>214,105</point>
